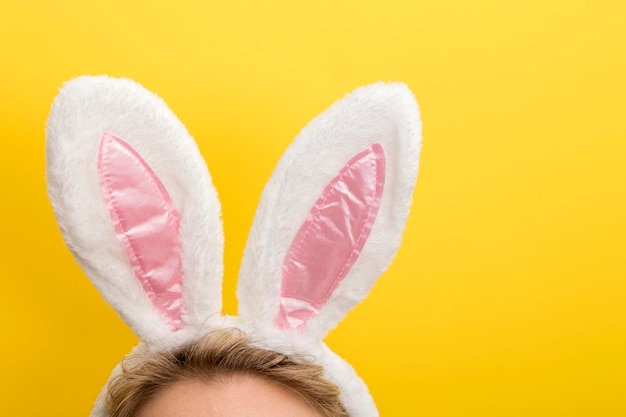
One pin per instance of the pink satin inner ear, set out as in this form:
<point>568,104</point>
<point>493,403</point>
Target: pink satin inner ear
<point>147,224</point>
<point>331,239</point>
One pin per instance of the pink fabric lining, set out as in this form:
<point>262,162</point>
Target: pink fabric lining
<point>147,224</point>
<point>330,240</point>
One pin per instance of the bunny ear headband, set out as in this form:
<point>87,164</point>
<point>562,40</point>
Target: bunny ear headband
<point>138,210</point>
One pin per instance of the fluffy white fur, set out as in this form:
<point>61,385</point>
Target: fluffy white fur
<point>89,106</point>
<point>379,113</point>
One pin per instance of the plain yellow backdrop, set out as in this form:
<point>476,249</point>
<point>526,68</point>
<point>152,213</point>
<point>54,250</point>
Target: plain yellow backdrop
<point>508,296</point>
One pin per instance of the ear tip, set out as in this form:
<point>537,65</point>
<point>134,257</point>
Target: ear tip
<point>90,80</point>
<point>82,84</point>
<point>76,89</point>
<point>393,89</point>
<point>92,85</point>
<point>391,97</point>
<point>93,95</point>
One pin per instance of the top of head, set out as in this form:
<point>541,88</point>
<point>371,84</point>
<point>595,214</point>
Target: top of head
<point>137,208</point>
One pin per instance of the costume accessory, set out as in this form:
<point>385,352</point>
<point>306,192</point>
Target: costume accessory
<point>137,208</point>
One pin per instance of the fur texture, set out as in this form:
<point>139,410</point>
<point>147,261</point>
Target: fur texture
<point>380,113</point>
<point>87,107</point>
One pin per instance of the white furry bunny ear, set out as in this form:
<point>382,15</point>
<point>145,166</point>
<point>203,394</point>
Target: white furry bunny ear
<point>331,217</point>
<point>136,206</point>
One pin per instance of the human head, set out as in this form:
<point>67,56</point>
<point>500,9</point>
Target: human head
<point>219,359</point>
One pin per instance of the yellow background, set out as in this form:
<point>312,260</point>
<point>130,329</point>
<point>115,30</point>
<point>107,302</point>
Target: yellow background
<point>508,297</point>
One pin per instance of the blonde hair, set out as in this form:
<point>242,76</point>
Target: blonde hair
<point>213,358</point>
